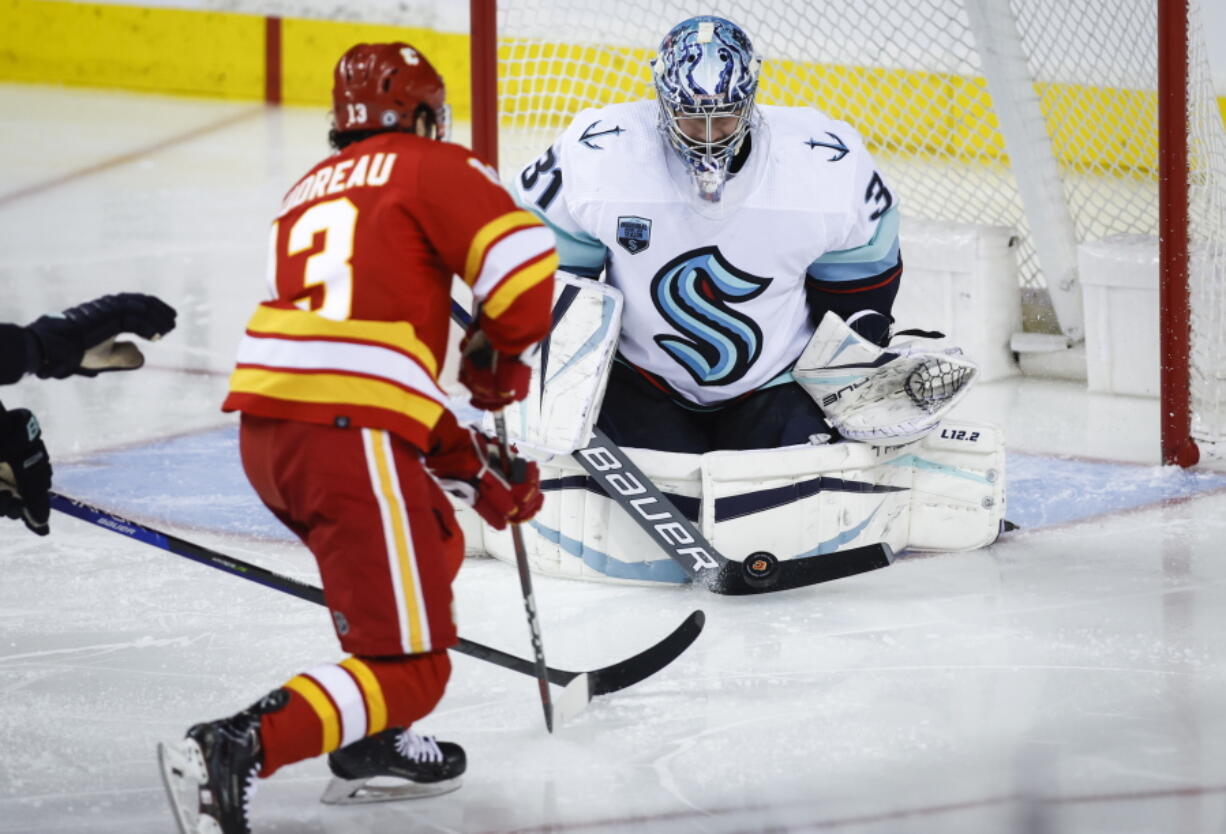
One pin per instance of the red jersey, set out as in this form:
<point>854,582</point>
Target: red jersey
<point>360,269</point>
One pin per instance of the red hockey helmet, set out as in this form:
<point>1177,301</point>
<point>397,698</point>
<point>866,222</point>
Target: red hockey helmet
<point>382,86</point>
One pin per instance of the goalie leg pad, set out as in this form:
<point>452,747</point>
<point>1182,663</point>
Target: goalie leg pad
<point>957,487</point>
<point>802,501</point>
<point>943,493</point>
<point>581,533</point>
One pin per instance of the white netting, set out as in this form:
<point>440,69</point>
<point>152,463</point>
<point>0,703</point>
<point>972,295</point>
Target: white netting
<point>1207,233</point>
<point>908,75</point>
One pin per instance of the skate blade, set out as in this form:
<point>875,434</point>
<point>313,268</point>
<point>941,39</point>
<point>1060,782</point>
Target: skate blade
<point>363,791</point>
<point>183,772</point>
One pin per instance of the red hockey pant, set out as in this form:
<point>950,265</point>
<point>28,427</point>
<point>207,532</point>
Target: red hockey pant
<point>388,547</point>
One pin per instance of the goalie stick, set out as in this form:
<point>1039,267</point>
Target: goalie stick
<point>627,486</point>
<point>622,480</point>
<point>579,687</point>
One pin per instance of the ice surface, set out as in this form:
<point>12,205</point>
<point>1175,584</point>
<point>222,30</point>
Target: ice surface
<point>1071,678</point>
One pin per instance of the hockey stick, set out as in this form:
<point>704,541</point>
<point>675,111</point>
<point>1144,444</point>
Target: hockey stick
<point>626,485</point>
<point>760,573</point>
<point>580,687</point>
<point>525,580</point>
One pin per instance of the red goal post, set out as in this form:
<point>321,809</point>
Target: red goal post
<point>1071,123</point>
<point>1174,298</point>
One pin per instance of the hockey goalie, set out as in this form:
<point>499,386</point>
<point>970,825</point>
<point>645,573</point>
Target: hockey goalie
<point>738,348</point>
<point>899,472</point>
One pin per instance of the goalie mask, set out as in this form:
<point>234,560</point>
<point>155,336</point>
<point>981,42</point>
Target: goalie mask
<point>387,86</point>
<point>706,75</point>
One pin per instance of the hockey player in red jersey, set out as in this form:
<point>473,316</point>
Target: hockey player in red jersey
<point>345,436</point>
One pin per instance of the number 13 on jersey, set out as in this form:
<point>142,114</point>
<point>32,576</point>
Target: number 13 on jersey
<point>323,282</point>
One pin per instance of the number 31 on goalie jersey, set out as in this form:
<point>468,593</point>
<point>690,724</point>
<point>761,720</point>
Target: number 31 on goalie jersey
<point>327,276</point>
<point>545,175</point>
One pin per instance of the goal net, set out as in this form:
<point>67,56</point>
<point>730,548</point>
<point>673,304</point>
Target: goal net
<point>1039,115</point>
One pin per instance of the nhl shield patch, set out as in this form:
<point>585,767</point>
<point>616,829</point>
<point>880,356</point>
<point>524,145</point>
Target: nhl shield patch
<point>634,233</point>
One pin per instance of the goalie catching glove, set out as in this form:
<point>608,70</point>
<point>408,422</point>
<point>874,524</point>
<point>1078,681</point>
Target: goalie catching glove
<point>467,465</point>
<point>872,394</point>
<point>81,340</point>
<point>495,379</point>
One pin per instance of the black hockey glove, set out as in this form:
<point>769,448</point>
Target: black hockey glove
<point>25,470</point>
<point>81,340</point>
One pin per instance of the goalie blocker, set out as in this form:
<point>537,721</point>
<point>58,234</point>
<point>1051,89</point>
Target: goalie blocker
<point>938,486</point>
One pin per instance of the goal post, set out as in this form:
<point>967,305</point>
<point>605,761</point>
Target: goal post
<point>1081,124</point>
<point>484,62</point>
<point>1175,312</point>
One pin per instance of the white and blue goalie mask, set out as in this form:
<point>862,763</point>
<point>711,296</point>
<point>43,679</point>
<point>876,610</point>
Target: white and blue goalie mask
<point>706,75</point>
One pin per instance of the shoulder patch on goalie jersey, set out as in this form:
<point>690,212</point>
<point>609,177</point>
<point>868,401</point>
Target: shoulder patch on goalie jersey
<point>633,233</point>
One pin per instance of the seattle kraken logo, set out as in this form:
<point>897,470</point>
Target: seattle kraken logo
<point>693,292</point>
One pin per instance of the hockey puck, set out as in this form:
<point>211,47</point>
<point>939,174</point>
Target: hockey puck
<point>759,568</point>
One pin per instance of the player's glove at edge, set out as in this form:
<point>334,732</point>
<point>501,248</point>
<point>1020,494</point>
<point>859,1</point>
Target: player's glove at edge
<point>494,378</point>
<point>81,340</point>
<point>467,465</point>
<point>25,470</point>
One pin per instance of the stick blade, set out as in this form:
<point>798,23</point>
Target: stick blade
<point>574,699</point>
<point>649,661</point>
<point>734,579</point>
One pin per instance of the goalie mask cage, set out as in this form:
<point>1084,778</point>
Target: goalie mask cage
<point>1070,122</point>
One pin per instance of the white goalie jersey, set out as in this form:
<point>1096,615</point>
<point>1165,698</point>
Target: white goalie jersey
<point>715,299</point>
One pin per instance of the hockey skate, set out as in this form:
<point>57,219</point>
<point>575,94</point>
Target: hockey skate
<point>210,775</point>
<point>408,766</point>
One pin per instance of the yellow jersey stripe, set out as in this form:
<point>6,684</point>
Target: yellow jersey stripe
<point>376,706</point>
<point>489,233</point>
<point>341,389</point>
<point>517,284</point>
<point>511,252</point>
<point>401,542</point>
<point>399,335</point>
<point>322,704</point>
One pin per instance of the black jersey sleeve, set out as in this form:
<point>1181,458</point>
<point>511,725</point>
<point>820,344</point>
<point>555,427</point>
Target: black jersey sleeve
<point>15,352</point>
